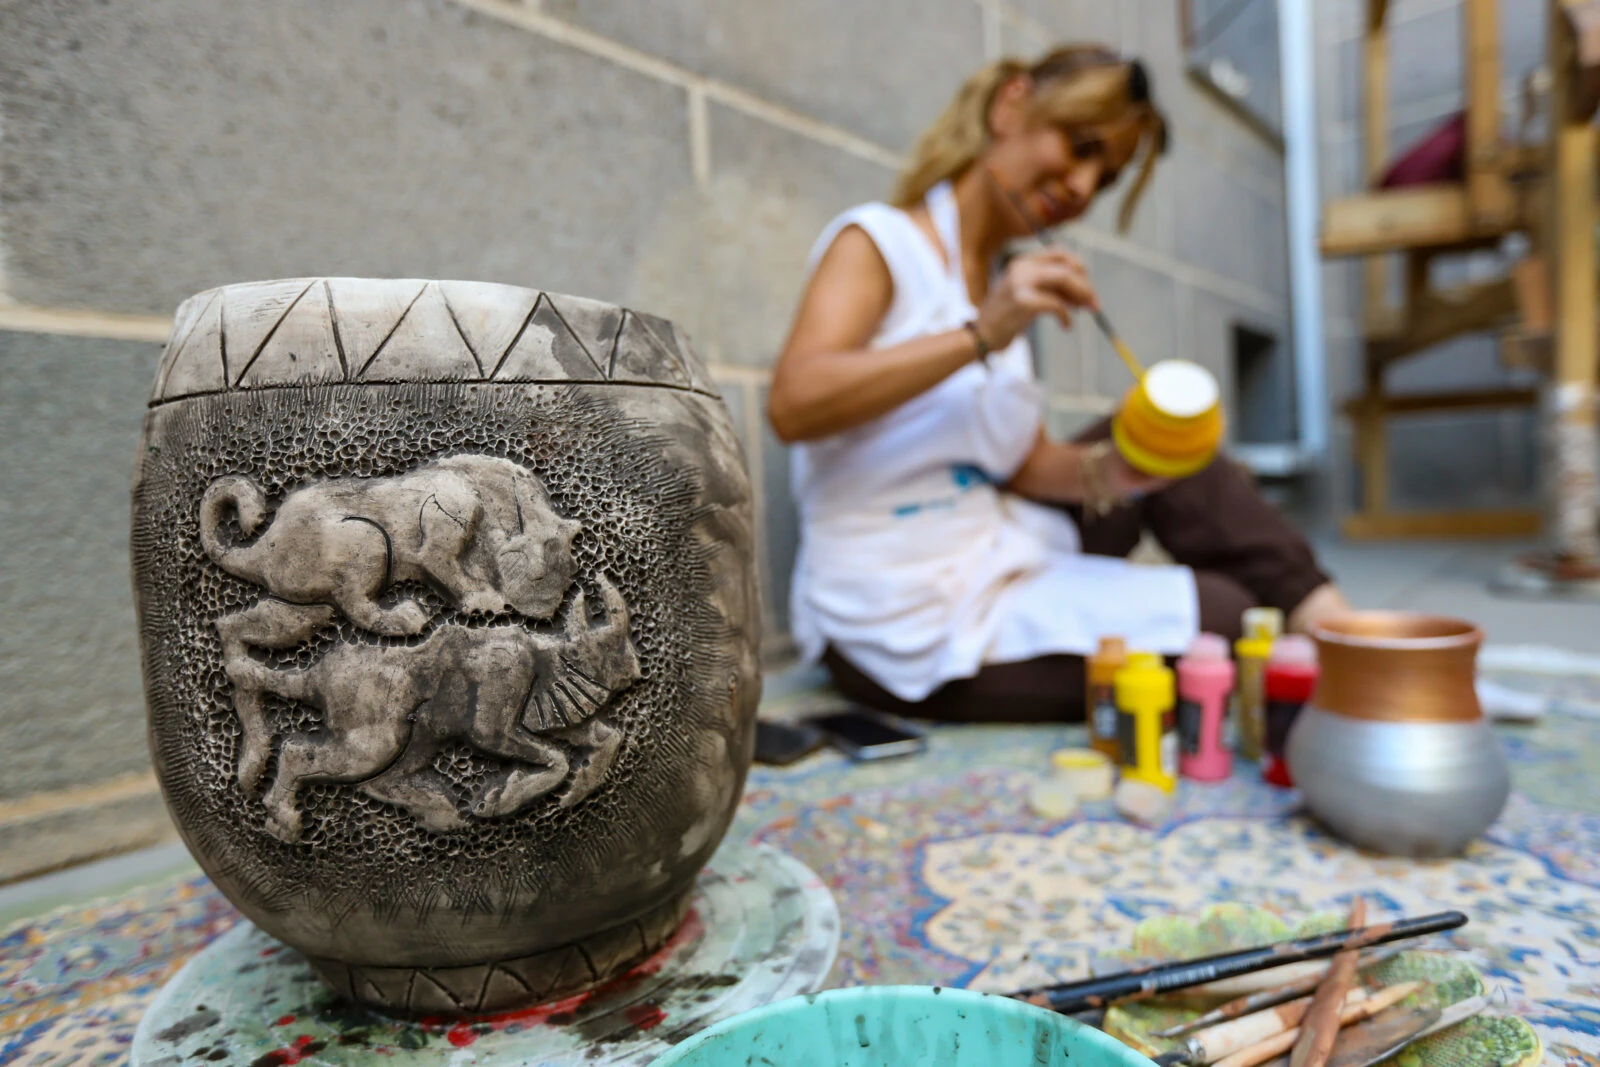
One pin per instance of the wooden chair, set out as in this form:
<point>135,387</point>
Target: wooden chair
<point>1504,188</point>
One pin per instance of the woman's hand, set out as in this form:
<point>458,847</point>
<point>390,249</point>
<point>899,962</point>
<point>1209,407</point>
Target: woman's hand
<point>1051,281</point>
<point>1124,482</point>
<point>1321,604</point>
<point>1092,474</point>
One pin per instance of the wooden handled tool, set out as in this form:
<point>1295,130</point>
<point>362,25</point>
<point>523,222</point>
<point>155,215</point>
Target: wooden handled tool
<point>1321,1023</point>
<point>1268,998</point>
<point>1277,1045</point>
<point>1218,1042</point>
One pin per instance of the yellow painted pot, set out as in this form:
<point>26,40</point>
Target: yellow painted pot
<point>1170,423</point>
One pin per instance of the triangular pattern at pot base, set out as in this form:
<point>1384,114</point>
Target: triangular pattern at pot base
<point>610,949</point>
<point>504,987</point>
<point>575,970</point>
<point>447,990</point>
<point>386,985</point>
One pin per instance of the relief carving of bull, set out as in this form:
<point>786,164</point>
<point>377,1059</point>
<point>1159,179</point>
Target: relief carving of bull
<point>482,532</point>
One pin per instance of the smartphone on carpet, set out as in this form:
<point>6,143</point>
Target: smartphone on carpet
<point>863,734</point>
<point>780,744</point>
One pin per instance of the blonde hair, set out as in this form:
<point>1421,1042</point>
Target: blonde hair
<point>1074,85</point>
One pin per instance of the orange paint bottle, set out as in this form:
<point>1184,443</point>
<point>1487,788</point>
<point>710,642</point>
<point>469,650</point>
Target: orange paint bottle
<point>1100,702</point>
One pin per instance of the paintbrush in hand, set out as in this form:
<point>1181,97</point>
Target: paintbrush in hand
<point>1042,235</point>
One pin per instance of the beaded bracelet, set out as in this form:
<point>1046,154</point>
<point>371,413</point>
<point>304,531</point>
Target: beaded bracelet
<point>971,326</point>
<point>1098,498</point>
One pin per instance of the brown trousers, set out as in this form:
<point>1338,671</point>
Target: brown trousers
<point>1243,554</point>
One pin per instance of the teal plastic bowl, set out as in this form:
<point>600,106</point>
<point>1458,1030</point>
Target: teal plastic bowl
<point>900,1026</point>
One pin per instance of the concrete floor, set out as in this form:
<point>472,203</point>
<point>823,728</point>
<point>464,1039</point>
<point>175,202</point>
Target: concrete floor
<point>1452,578</point>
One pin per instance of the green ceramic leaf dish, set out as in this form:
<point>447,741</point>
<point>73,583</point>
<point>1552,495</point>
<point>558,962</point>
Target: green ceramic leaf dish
<point>1222,928</point>
<point>1483,1041</point>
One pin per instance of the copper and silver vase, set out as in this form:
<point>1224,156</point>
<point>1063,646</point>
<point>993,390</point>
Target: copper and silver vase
<point>1393,752</point>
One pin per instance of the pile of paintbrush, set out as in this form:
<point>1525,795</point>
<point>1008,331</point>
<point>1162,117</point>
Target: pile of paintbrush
<point>1325,1020</point>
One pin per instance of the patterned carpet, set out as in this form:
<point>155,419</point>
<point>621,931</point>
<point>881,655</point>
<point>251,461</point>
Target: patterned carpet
<point>944,874</point>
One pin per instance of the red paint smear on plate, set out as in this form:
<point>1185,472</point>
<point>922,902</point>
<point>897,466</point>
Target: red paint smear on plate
<point>461,1035</point>
<point>645,1016</point>
<point>285,1021</point>
<point>304,1045</point>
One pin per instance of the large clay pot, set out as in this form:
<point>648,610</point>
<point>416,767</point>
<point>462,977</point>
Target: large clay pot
<point>1393,752</point>
<point>449,621</point>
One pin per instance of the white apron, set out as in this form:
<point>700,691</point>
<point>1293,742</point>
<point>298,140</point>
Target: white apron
<point>913,563</point>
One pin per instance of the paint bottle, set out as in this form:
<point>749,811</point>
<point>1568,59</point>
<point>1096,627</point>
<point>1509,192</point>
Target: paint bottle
<point>1146,727</point>
<point>1205,679</point>
<point>1170,422</point>
<point>1290,677</point>
<point>1100,702</point>
<point>1261,627</point>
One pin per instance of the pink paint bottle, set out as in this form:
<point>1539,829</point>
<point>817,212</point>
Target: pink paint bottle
<point>1205,679</point>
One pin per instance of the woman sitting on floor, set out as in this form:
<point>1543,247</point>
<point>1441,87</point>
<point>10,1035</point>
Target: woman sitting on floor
<point>955,562</point>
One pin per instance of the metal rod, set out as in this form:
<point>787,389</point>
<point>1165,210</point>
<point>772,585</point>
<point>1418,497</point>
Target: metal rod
<point>1297,62</point>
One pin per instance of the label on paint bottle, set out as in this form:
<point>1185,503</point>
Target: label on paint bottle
<point>1189,727</point>
<point>1169,754</point>
<point>1127,739</point>
<point>1103,720</point>
<point>1281,715</point>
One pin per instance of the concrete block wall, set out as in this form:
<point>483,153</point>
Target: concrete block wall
<point>679,157</point>
<point>1446,460</point>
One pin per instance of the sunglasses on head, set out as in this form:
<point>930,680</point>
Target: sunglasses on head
<point>1072,62</point>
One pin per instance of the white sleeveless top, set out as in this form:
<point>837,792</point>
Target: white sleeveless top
<point>913,563</point>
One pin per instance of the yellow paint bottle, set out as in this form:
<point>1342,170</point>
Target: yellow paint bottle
<point>1170,423</point>
<point>1146,725</point>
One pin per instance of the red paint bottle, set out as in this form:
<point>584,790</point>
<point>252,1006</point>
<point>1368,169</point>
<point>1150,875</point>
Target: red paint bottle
<point>1291,675</point>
